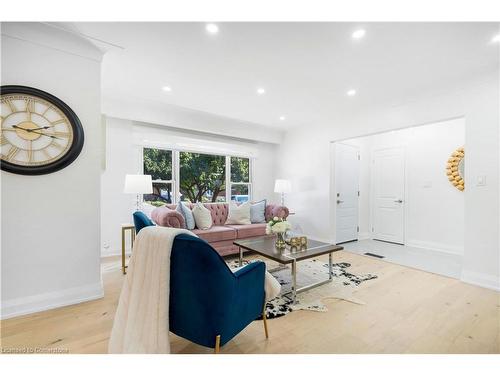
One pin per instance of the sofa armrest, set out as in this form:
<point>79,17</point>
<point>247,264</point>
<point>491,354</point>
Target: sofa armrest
<point>166,217</point>
<point>273,210</point>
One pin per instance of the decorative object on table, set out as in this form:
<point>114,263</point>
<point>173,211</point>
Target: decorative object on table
<point>343,286</point>
<point>297,241</point>
<point>40,133</point>
<point>282,187</point>
<point>238,214</point>
<point>138,184</point>
<point>455,168</point>
<point>279,227</point>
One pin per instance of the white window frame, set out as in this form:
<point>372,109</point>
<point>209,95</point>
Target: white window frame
<point>175,181</point>
<point>172,181</point>
<point>230,183</point>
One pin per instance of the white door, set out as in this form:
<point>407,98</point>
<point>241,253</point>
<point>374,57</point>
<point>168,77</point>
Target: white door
<point>388,179</point>
<point>347,192</point>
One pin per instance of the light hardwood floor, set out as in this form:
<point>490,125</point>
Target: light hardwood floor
<point>406,311</point>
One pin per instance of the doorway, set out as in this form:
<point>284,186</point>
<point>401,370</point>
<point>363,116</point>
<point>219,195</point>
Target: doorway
<point>388,192</point>
<point>347,192</point>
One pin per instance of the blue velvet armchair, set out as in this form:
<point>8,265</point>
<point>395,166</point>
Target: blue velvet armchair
<point>209,304</point>
<point>141,221</point>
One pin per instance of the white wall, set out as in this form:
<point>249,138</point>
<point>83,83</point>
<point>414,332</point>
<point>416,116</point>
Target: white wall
<point>124,141</point>
<point>164,114</point>
<point>434,209</point>
<point>304,155</point>
<point>50,226</point>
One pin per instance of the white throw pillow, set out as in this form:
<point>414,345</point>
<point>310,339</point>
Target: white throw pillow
<point>202,216</point>
<point>239,214</point>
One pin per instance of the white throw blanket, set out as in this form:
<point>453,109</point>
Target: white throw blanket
<point>141,321</point>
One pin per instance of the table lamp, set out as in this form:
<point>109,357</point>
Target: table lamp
<point>282,186</point>
<point>138,184</point>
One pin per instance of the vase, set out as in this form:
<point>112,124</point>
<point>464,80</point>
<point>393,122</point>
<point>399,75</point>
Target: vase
<point>280,241</point>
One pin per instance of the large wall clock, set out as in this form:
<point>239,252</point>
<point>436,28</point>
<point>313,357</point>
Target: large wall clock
<point>40,133</point>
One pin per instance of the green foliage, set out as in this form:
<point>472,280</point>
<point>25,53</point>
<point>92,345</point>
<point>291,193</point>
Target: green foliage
<point>158,163</point>
<point>240,169</point>
<point>156,203</point>
<point>201,174</point>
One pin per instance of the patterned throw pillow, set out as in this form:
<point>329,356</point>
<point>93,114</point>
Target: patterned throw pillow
<point>239,214</point>
<point>202,216</point>
<point>258,212</point>
<point>188,216</point>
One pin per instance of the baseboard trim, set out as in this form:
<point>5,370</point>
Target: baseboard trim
<point>435,246</point>
<point>107,254</point>
<point>47,301</point>
<point>480,279</point>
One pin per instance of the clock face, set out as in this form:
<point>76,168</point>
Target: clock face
<point>39,133</point>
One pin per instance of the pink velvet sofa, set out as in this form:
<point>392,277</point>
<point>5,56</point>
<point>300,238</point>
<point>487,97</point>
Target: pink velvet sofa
<point>220,236</point>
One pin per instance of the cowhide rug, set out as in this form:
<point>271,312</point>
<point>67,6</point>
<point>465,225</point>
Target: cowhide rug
<point>343,286</point>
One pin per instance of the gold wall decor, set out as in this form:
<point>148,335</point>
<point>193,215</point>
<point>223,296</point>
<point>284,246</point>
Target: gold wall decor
<point>455,168</point>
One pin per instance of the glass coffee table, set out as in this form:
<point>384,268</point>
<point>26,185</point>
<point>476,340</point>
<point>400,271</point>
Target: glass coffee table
<point>264,246</point>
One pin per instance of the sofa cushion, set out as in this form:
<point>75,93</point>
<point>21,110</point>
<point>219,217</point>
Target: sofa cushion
<point>188,216</point>
<point>239,214</point>
<point>202,216</point>
<point>249,230</point>
<point>258,212</point>
<point>216,233</point>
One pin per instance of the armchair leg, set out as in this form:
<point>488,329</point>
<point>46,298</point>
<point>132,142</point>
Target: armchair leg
<point>217,344</point>
<point>264,319</point>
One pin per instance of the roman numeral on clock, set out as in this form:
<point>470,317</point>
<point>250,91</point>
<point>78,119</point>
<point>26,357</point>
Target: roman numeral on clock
<point>12,152</point>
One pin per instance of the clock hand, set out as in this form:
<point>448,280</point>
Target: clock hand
<point>30,130</point>
<point>33,131</point>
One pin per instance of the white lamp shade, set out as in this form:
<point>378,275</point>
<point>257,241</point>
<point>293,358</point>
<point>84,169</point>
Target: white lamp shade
<point>282,186</point>
<point>138,184</point>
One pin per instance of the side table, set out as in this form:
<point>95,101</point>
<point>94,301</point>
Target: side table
<point>126,227</point>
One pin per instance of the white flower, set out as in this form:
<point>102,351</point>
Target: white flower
<point>276,218</point>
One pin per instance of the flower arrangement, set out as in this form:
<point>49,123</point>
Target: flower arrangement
<point>277,225</point>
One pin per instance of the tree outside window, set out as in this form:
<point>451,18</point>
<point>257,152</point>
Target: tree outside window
<point>158,164</point>
<point>202,177</point>
<point>240,179</point>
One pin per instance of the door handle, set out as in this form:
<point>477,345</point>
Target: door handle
<point>339,201</point>
<point>399,201</point>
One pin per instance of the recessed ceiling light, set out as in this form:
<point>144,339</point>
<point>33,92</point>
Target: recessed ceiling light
<point>358,34</point>
<point>351,92</point>
<point>496,39</point>
<point>166,88</point>
<point>212,28</point>
<point>282,118</point>
<point>261,91</point>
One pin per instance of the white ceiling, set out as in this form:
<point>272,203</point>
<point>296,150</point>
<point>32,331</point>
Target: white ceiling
<point>306,68</point>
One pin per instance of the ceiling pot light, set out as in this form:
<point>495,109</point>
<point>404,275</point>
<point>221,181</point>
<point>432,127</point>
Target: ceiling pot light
<point>358,34</point>
<point>212,28</point>
<point>166,88</point>
<point>351,92</point>
<point>282,118</point>
<point>496,39</point>
<point>261,91</point>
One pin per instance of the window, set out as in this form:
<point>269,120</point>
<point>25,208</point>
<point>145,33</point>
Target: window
<point>202,177</point>
<point>240,179</point>
<point>158,163</point>
<point>195,177</point>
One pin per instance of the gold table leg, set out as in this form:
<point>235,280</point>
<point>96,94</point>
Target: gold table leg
<point>123,251</point>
